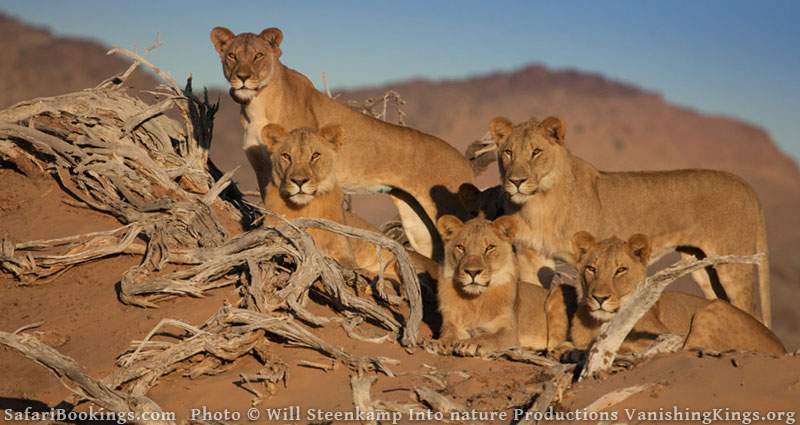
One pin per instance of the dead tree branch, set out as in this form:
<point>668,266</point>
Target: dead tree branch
<point>613,333</point>
<point>114,153</point>
<point>73,377</point>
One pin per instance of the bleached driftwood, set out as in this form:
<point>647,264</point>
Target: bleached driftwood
<point>552,391</point>
<point>436,401</point>
<point>119,155</point>
<point>361,385</point>
<point>616,397</point>
<point>518,354</point>
<point>77,381</point>
<point>612,334</point>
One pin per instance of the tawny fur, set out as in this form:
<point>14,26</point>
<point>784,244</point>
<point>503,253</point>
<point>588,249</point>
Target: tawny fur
<point>697,212</point>
<point>417,168</point>
<point>309,156</point>
<point>492,203</point>
<point>483,304</point>
<point>610,271</point>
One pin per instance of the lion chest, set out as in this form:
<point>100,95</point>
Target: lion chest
<point>545,229</point>
<point>485,314</point>
<point>254,118</point>
<point>252,133</point>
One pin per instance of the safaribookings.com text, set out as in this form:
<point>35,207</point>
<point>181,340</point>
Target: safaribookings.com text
<point>296,414</point>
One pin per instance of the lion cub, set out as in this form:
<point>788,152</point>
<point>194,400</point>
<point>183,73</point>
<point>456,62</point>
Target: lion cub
<point>303,184</point>
<point>484,306</point>
<point>609,271</point>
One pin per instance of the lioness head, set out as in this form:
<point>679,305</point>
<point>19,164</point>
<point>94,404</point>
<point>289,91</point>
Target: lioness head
<point>528,154</point>
<point>478,253</point>
<point>302,160</point>
<point>609,271</point>
<point>248,60</point>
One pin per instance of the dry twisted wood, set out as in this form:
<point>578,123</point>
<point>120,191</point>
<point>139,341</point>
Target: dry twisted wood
<point>71,375</point>
<point>121,156</point>
<point>613,333</point>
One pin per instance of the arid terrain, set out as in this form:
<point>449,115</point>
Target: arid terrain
<point>614,125</point>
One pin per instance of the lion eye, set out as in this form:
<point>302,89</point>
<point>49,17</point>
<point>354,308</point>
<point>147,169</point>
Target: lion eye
<point>287,157</point>
<point>490,249</point>
<point>460,249</point>
<point>315,156</point>
<point>591,269</point>
<point>259,55</point>
<point>535,153</point>
<point>231,56</point>
<point>508,153</point>
<point>620,271</point>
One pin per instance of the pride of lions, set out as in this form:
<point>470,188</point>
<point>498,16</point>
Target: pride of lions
<point>489,250</point>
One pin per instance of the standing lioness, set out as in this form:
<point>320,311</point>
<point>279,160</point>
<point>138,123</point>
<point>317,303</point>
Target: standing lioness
<point>421,172</point>
<point>696,212</point>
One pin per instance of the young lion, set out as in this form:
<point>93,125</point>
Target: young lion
<point>610,271</point>
<point>492,203</point>
<point>696,212</point>
<point>305,185</point>
<point>421,172</point>
<point>484,306</point>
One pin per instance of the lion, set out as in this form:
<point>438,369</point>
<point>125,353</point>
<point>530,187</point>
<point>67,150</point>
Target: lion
<point>609,271</point>
<point>492,203</point>
<point>484,305</point>
<point>422,173</point>
<point>305,185</point>
<point>695,212</point>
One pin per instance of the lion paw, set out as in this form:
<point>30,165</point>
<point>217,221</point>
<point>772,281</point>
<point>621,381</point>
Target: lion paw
<point>468,349</point>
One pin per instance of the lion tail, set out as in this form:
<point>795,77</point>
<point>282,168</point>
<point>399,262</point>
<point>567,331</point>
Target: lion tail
<point>763,273</point>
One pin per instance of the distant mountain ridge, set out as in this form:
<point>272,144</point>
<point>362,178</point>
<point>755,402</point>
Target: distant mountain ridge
<point>616,126</point>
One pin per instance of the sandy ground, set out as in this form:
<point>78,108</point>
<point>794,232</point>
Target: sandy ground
<point>84,319</point>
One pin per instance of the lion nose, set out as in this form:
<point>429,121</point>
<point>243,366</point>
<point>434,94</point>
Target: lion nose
<point>600,298</point>
<point>517,182</point>
<point>243,77</point>
<point>299,181</point>
<point>473,273</point>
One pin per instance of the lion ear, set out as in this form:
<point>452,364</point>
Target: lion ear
<point>272,134</point>
<point>448,226</point>
<point>554,129</point>
<point>470,197</point>
<point>507,225</point>
<point>220,37</point>
<point>500,128</point>
<point>333,134</point>
<point>582,242</point>
<point>639,248</point>
<point>273,36</point>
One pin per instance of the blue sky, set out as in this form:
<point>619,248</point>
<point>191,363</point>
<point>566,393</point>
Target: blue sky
<point>732,57</point>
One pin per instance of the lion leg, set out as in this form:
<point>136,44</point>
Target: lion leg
<point>335,246</point>
<point>702,279</point>
<point>557,310</point>
<point>738,280</point>
<point>501,339</point>
<point>258,157</point>
<point>722,327</point>
<point>451,332</point>
<point>534,268</point>
<point>419,236</point>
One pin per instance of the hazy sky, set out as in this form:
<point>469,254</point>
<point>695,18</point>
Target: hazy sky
<point>732,57</point>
